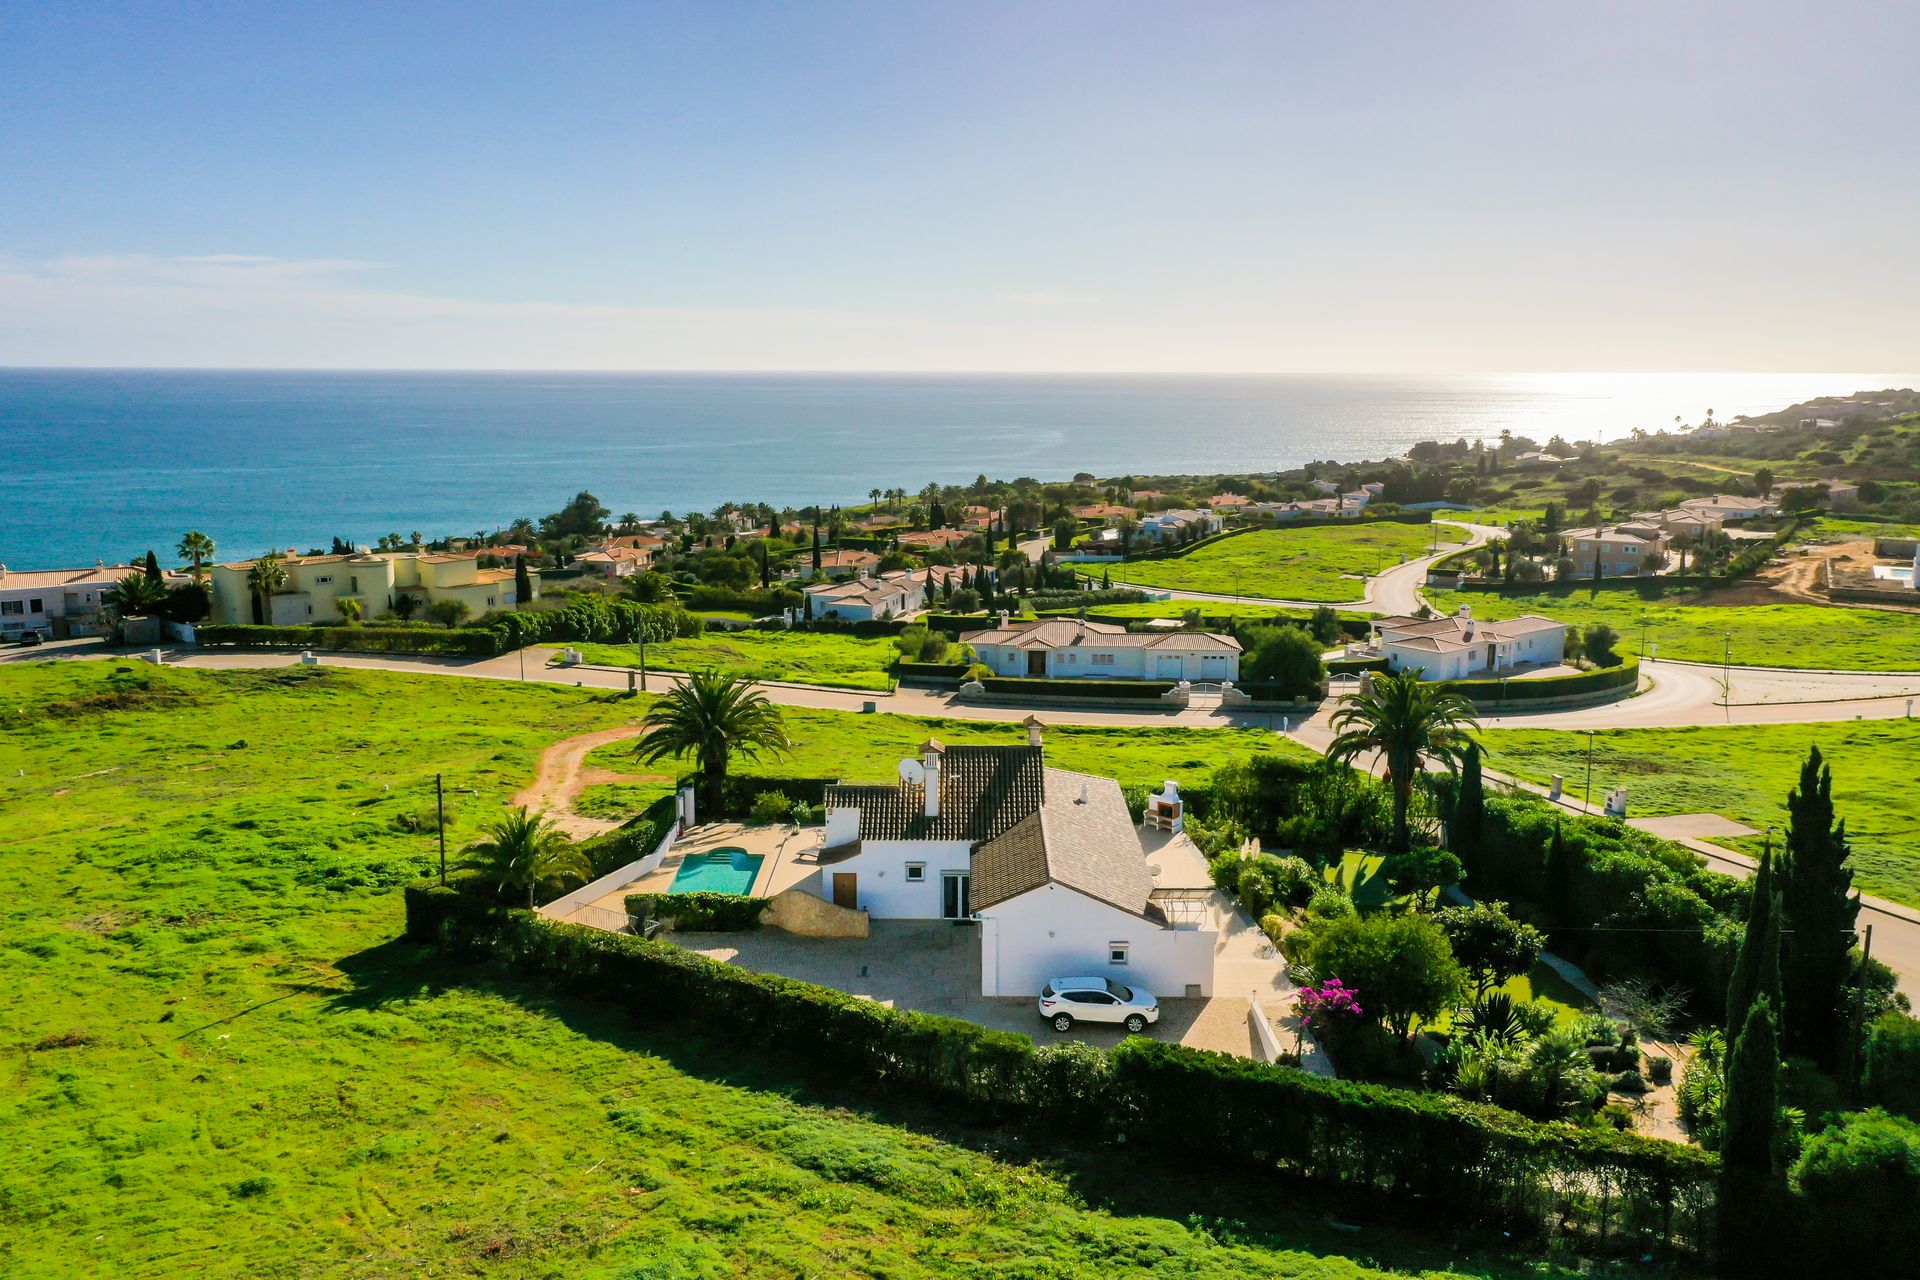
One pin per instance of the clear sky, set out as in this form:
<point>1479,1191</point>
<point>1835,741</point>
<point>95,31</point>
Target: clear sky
<point>1051,185</point>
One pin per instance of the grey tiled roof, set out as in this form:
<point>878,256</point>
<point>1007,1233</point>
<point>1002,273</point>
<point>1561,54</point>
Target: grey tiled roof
<point>983,792</point>
<point>1082,837</point>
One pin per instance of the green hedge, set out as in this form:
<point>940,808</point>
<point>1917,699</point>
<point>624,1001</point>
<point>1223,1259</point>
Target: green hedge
<point>466,642</point>
<point>739,792</point>
<point>593,620</point>
<point>1040,687</point>
<point>1476,1162</point>
<point>1623,902</point>
<point>960,622</point>
<point>1354,666</point>
<point>1490,692</point>
<point>699,912</point>
<point>929,670</point>
<point>1757,555</point>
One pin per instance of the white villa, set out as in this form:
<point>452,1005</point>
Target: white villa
<point>58,603</point>
<point>1678,521</point>
<point>1046,863</point>
<point>1077,649</point>
<point>1461,648</point>
<point>1731,506</point>
<point>1162,525</point>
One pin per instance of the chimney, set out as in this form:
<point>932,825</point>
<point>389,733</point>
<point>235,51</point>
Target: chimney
<point>930,753</point>
<point>1080,629</point>
<point>1034,730</point>
<point>1000,619</point>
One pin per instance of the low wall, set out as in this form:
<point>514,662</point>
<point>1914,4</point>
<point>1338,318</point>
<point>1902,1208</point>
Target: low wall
<point>799,912</point>
<point>573,906</point>
<point>1266,1045</point>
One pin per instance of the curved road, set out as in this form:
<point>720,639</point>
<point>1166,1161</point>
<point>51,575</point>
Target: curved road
<point>1392,591</point>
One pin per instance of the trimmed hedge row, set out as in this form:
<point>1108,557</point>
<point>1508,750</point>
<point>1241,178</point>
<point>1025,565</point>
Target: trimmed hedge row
<point>1479,1162</point>
<point>1040,687</point>
<point>1624,676</point>
<point>465,642</point>
<point>699,912</point>
<point>1354,666</point>
<point>929,670</point>
<point>593,620</point>
<point>739,792</point>
<point>1761,552</point>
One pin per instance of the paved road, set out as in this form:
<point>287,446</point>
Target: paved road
<point>1393,591</point>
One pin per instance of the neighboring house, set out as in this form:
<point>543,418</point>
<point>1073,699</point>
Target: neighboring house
<point>1074,648</point>
<point>615,562</point>
<point>1046,863</point>
<point>1163,526</point>
<point>1842,495</point>
<point>645,545</point>
<point>1731,506</point>
<point>844,562</point>
<point>1327,487</point>
<point>934,539</point>
<point>1104,511</point>
<point>1229,503</point>
<point>60,603</point>
<point>1710,431</point>
<point>375,579</point>
<point>1536,461</point>
<point>1622,551</point>
<point>866,599</point>
<point>1459,647</point>
<point>1373,488</point>
<point>1676,522</point>
<point>1340,506</point>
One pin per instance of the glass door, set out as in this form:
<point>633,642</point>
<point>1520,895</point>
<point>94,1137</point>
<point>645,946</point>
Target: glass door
<point>956,895</point>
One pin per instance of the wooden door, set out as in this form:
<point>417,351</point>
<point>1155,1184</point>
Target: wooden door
<point>846,890</point>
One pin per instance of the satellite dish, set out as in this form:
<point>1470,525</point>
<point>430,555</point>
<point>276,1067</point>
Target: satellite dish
<point>912,771</point>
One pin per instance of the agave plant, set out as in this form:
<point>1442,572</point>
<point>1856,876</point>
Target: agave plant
<point>1495,1017</point>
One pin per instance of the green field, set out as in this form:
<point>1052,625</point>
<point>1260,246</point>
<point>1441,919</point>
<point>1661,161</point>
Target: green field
<point>1744,772</point>
<point>1235,610</point>
<point>1685,626</point>
<point>1322,564</point>
<point>856,747</point>
<point>223,1063</point>
<point>799,657</point>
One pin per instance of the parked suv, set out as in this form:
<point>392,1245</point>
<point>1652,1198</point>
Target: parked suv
<point>1065,1001</point>
<point>29,637</point>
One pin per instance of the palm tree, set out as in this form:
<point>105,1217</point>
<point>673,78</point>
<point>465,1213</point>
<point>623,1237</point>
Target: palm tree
<point>136,596</point>
<point>711,716</point>
<point>525,851</point>
<point>266,577</point>
<point>629,522</point>
<point>1407,721</point>
<point>196,548</point>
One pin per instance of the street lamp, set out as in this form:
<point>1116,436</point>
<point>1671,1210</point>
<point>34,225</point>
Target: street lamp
<point>1726,671</point>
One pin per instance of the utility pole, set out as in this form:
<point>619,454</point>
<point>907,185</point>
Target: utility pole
<point>643,664</point>
<point>1726,671</point>
<point>440,812</point>
<point>1588,802</point>
<point>1860,1007</point>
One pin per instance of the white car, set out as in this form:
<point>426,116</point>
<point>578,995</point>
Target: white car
<point>1065,1001</point>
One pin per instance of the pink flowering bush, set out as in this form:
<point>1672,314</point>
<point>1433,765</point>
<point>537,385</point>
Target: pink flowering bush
<point>1328,1006</point>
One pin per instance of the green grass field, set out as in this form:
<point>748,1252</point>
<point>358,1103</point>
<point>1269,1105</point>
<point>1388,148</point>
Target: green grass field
<point>799,657</point>
<point>1321,564</point>
<point>1744,772</point>
<point>863,748</point>
<point>1683,622</point>
<point>1236,610</point>
<point>222,1063</point>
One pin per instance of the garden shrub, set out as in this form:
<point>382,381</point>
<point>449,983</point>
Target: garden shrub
<point>770,807</point>
<point>467,642</point>
<point>1486,693</point>
<point>1042,687</point>
<point>1859,1184</point>
<point>699,912</point>
<point>1892,1074</point>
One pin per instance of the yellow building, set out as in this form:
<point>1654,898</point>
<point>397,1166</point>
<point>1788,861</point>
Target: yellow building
<point>377,581</point>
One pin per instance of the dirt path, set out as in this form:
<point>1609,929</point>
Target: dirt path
<point>563,772</point>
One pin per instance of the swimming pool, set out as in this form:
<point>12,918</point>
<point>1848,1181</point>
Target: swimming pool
<point>726,870</point>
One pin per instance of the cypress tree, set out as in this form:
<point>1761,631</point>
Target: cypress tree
<point>1106,579</point>
<point>1818,916</point>
<point>153,568</point>
<point>522,582</point>
<point>1559,878</point>
<point>1751,1185</point>
<point>1756,971</point>
<point>816,541</point>
<point>1469,810</point>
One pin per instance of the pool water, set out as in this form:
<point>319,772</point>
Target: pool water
<point>717,871</point>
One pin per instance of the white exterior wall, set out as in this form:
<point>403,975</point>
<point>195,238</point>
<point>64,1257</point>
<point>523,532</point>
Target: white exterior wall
<point>883,888</point>
<point>1057,932</point>
<point>1464,664</point>
<point>1130,663</point>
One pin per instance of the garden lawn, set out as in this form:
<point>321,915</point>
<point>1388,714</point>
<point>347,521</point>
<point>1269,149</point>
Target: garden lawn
<point>869,748</point>
<point>1234,610</point>
<point>1744,772</point>
<point>1686,625</point>
<point>221,1062</point>
<point>798,657</point>
<point>1324,563</point>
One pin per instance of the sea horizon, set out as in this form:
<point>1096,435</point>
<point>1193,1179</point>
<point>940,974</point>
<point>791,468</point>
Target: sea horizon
<point>104,462</point>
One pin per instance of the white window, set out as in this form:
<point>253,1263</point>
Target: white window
<point>1117,952</point>
<point>321,582</point>
<point>12,606</point>
<point>916,873</point>
<point>1102,659</point>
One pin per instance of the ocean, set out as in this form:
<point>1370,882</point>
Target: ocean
<point>103,464</point>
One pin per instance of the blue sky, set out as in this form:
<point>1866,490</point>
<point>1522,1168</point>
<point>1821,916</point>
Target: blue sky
<point>1106,186</point>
